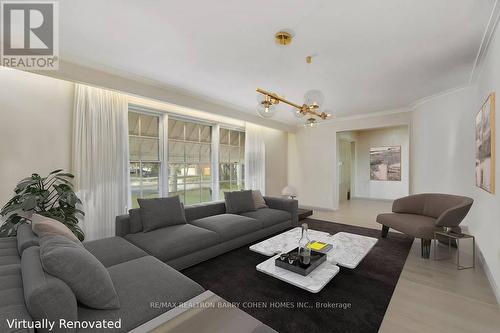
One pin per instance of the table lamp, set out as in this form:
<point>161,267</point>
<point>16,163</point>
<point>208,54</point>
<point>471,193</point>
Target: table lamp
<point>289,191</point>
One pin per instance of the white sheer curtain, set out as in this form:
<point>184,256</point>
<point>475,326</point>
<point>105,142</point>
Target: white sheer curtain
<point>255,158</point>
<point>100,158</point>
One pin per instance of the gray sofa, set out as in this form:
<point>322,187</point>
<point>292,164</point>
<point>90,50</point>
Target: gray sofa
<point>210,231</point>
<point>139,276</point>
<point>28,292</point>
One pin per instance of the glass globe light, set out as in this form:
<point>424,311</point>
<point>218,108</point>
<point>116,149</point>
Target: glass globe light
<point>310,123</point>
<point>314,97</point>
<point>297,113</point>
<point>266,110</point>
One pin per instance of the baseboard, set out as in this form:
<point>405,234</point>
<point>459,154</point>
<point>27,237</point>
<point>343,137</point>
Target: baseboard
<point>487,271</point>
<point>318,208</point>
<point>484,265</point>
<point>373,199</point>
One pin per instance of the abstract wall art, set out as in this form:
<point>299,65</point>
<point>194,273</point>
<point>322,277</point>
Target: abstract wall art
<point>385,163</point>
<point>485,145</point>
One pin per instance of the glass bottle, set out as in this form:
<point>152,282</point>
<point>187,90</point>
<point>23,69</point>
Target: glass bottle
<point>304,250</point>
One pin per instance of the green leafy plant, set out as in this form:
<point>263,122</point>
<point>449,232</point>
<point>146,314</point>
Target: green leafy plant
<point>50,196</point>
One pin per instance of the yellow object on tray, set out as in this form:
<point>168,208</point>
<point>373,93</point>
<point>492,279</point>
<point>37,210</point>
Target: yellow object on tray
<point>316,246</point>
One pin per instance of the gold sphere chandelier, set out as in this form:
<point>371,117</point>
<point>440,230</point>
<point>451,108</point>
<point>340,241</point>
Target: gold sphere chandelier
<point>311,109</point>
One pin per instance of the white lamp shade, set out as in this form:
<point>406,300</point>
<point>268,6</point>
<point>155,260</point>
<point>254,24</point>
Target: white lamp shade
<point>289,191</point>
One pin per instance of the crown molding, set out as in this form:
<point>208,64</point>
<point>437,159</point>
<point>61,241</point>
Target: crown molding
<point>413,106</point>
<point>488,34</point>
<point>142,87</point>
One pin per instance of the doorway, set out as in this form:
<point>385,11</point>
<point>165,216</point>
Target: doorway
<point>346,173</point>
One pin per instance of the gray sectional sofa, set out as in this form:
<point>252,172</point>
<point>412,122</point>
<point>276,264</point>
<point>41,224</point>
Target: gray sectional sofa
<point>28,292</point>
<point>142,266</point>
<point>209,230</point>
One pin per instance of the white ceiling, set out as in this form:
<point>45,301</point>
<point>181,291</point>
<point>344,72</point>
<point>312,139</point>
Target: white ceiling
<point>369,55</point>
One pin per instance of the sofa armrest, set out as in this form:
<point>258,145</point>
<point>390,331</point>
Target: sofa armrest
<point>453,216</point>
<point>122,225</point>
<point>289,205</point>
<point>412,204</point>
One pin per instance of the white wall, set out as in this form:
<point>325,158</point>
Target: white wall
<point>366,188</point>
<point>443,155</point>
<point>276,160</point>
<point>312,156</point>
<point>35,127</point>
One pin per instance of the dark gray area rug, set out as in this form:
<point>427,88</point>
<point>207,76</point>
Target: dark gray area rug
<point>354,301</point>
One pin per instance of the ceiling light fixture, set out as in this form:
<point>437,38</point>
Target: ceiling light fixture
<point>313,99</point>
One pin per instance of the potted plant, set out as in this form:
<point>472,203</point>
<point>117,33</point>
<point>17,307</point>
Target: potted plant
<point>50,196</point>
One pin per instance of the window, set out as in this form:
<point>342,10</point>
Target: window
<point>144,155</point>
<point>231,160</point>
<point>189,158</point>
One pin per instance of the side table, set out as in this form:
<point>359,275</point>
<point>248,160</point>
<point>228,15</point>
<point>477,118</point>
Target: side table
<point>304,213</point>
<point>457,237</point>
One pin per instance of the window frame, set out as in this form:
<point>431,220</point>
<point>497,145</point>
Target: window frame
<point>229,146</point>
<point>163,145</point>
<point>162,117</point>
<point>186,163</point>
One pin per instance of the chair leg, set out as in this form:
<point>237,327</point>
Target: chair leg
<point>425,246</point>
<point>385,231</point>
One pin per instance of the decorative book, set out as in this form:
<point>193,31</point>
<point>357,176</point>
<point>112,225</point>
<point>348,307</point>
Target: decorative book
<point>320,246</point>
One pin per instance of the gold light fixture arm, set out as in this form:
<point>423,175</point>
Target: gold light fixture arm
<point>279,98</point>
<point>304,109</point>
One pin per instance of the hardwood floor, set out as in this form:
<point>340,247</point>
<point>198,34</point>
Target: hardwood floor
<point>431,296</point>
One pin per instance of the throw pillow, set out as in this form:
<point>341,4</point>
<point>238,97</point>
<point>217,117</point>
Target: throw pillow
<point>161,212</point>
<point>82,272</point>
<point>239,202</point>
<point>258,199</point>
<point>45,226</point>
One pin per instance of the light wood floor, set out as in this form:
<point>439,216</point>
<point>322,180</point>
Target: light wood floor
<point>431,296</point>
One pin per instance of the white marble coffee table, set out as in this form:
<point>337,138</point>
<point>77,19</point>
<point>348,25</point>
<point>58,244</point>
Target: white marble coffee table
<point>313,282</point>
<point>348,249</point>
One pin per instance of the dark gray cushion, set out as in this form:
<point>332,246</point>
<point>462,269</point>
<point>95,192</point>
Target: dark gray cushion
<point>161,212</point>
<point>142,283</point>
<point>113,250</point>
<point>9,252</point>
<point>25,237</point>
<point>206,209</point>
<point>46,296</point>
<point>269,216</point>
<point>229,226</point>
<point>174,241</point>
<point>13,311</point>
<point>135,220</point>
<point>8,242</point>
<point>12,304</point>
<point>11,281</point>
<point>239,202</point>
<point>84,274</point>
<point>10,270</point>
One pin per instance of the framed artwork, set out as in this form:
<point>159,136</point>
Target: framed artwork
<point>385,163</point>
<point>485,145</point>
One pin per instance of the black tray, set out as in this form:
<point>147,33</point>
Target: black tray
<point>317,258</point>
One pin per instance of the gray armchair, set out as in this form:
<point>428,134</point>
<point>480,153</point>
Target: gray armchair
<point>421,215</point>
